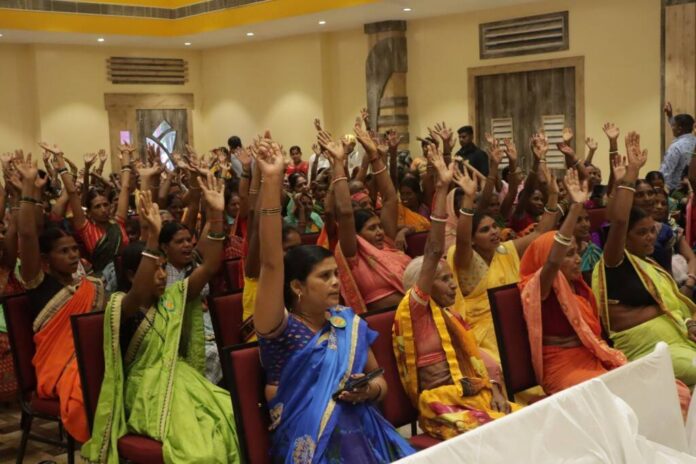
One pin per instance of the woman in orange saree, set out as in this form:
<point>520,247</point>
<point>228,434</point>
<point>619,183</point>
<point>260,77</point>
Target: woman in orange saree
<point>59,296</point>
<point>565,334</point>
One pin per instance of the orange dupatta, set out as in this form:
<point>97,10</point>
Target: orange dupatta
<point>55,363</point>
<point>581,312</point>
<point>415,221</point>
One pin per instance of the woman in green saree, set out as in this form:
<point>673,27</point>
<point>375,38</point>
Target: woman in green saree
<point>639,302</point>
<point>154,350</point>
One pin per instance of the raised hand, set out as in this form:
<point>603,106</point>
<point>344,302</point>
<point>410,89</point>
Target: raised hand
<point>566,149</point>
<point>6,159</point>
<point>366,141</point>
<point>365,116</point>
<point>636,157</point>
<point>465,180</point>
<point>553,181</point>
<point>317,124</point>
<point>54,150</point>
<point>489,138</point>
<point>213,191</point>
<point>270,160</point>
<point>540,145</point>
<point>26,168</point>
<point>495,151</point>
<point>567,134</point>
<point>611,130</point>
<point>444,174</point>
<point>90,158</point>
<point>577,191</point>
<point>149,212</point>
<point>102,156</point>
<point>335,149</point>
<point>591,144</point>
<point>668,110</point>
<point>511,150</point>
<point>619,163</point>
<point>446,134</point>
<point>393,138</point>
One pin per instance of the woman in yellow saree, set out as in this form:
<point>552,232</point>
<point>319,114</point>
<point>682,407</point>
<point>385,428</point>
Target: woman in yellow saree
<point>639,302</point>
<point>439,363</point>
<point>480,261</point>
<point>154,348</point>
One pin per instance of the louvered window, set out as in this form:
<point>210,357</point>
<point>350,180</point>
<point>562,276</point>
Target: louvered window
<point>523,36</point>
<point>131,70</point>
<point>553,127</point>
<point>501,128</point>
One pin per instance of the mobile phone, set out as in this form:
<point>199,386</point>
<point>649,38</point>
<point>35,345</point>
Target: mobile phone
<point>354,383</point>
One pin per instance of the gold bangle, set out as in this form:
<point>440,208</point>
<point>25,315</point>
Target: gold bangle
<point>339,179</point>
<point>626,187</point>
<point>438,219</point>
<point>558,239</point>
<point>269,211</point>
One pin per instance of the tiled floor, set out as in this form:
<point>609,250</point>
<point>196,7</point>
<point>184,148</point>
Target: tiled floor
<point>10,434</point>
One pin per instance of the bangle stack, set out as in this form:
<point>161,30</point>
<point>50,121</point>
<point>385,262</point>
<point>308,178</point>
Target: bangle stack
<point>269,211</point>
<point>61,171</point>
<point>434,218</point>
<point>466,211</point>
<point>29,200</point>
<point>216,236</point>
<point>253,191</point>
<point>563,240</point>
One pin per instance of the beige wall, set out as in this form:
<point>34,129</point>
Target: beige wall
<point>56,92</point>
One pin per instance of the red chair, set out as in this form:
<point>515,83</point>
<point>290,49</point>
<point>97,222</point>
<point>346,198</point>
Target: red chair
<point>226,313</point>
<point>396,405</point>
<point>20,315</point>
<point>233,274</point>
<point>88,333</point>
<point>309,239</point>
<point>513,339</point>
<point>415,244</point>
<point>598,216</point>
<point>244,377</point>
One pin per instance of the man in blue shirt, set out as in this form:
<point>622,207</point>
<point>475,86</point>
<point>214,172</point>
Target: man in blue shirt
<point>681,149</point>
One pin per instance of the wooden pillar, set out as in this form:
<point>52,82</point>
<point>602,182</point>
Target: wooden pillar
<point>386,68</point>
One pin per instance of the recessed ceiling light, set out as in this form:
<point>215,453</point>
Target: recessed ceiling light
<point>0,35</point>
<point>187,44</point>
<point>250,34</point>
<point>100,39</point>
<point>322,22</point>
<point>407,9</point>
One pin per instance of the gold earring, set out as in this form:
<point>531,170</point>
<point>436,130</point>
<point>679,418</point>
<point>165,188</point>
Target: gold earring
<point>299,296</point>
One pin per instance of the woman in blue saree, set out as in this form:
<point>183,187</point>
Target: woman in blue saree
<point>309,352</point>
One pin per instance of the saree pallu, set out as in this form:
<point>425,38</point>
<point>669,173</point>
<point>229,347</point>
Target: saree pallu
<point>157,388</point>
<point>57,375</point>
<point>475,307</point>
<point>107,248</point>
<point>389,263</point>
<point>308,425</point>
<point>590,257</point>
<point>415,221</point>
<point>669,327</point>
<point>445,411</point>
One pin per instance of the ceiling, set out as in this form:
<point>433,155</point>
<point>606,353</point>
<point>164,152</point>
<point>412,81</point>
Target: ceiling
<point>293,21</point>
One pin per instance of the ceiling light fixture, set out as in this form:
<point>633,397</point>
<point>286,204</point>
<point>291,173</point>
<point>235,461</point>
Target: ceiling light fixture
<point>0,35</point>
<point>407,9</point>
<point>188,44</point>
<point>100,39</point>
<point>322,22</point>
<point>250,34</point>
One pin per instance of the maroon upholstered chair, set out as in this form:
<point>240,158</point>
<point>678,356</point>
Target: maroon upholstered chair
<point>20,315</point>
<point>244,377</point>
<point>396,405</point>
<point>233,274</point>
<point>415,244</point>
<point>513,339</point>
<point>88,333</point>
<point>226,313</point>
<point>597,217</point>
<point>309,239</point>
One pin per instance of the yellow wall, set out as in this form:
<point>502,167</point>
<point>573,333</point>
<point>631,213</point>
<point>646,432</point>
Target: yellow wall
<point>56,92</point>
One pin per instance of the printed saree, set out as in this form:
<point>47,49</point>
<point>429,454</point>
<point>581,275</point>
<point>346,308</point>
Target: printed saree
<point>157,388</point>
<point>670,327</point>
<point>445,411</point>
<point>56,367</point>
<point>590,257</point>
<point>503,270</point>
<point>308,425</point>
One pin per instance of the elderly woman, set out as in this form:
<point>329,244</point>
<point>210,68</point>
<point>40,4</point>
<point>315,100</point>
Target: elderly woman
<point>439,363</point>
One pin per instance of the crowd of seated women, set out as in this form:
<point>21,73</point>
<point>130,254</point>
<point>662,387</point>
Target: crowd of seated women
<point>145,245</point>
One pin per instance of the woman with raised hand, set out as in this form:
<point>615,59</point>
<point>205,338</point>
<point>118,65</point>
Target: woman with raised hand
<point>639,302</point>
<point>370,267</point>
<point>311,346</point>
<point>564,331</point>
<point>440,365</point>
<point>155,356</point>
<point>50,259</point>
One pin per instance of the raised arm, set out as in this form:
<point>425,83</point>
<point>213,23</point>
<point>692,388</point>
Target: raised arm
<point>591,145</point>
<point>572,160</point>
<point>126,173</point>
<point>343,206</point>
<point>495,155</point>
<point>270,305</point>
<point>435,246</point>
<point>612,132</point>
<point>463,251</point>
<point>252,264</point>
<point>28,229</point>
<point>578,193</point>
<point>540,146</point>
<point>393,139</point>
<point>548,218</point>
<point>79,218</point>
<point>509,201</point>
<point>245,182</point>
<point>620,203</point>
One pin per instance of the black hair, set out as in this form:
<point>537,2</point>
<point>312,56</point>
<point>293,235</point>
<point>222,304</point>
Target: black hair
<point>640,182</point>
<point>169,230</point>
<point>412,182</point>
<point>133,224</point>
<point>505,173</point>
<point>476,221</point>
<point>295,147</point>
<point>636,215</point>
<point>292,179</point>
<point>130,260</point>
<point>427,140</point>
<point>685,122</point>
<point>49,236</point>
<point>466,130</point>
<point>229,194</point>
<point>361,216</point>
<point>288,229</point>
<point>654,175</point>
<point>92,194</point>
<point>299,263</point>
<point>234,142</point>
<point>232,185</point>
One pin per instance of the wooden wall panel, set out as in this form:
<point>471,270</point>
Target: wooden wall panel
<point>679,60</point>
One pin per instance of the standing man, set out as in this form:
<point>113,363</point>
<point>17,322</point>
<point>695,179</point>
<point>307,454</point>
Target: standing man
<point>235,143</point>
<point>470,152</point>
<point>681,149</point>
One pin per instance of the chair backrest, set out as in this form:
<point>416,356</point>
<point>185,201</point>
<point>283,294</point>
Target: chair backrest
<point>513,339</point>
<point>233,269</point>
<point>415,244</point>
<point>310,239</point>
<point>20,316</point>
<point>226,313</point>
<point>88,333</point>
<point>597,218</point>
<point>396,406</point>
<point>243,374</point>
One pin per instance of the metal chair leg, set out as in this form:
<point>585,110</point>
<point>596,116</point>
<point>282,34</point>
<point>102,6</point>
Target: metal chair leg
<point>25,423</point>
<point>71,449</point>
